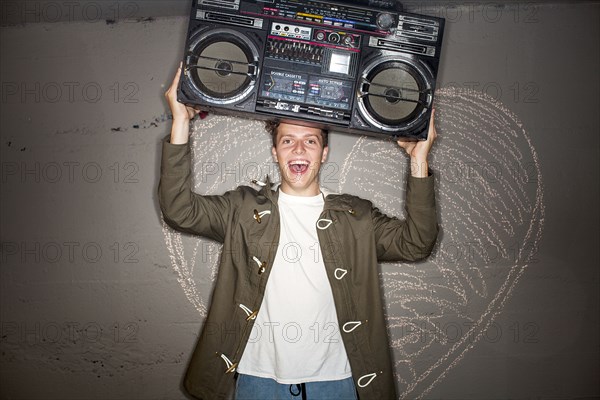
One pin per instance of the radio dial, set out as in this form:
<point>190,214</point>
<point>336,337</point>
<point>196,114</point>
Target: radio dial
<point>320,36</point>
<point>385,21</point>
<point>348,40</point>
<point>334,37</point>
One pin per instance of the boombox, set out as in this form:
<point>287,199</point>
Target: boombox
<point>357,68</point>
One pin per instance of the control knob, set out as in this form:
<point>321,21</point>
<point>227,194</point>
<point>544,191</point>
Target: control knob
<point>385,21</point>
<point>334,37</point>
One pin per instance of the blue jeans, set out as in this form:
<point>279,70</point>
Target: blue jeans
<point>250,387</point>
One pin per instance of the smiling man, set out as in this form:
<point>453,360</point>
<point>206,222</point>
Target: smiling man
<point>296,311</point>
<point>299,151</point>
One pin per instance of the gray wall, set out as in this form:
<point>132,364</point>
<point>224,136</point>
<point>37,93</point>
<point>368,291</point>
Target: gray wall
<point>100,300</point>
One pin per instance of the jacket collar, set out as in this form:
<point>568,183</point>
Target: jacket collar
<point>268,189</point>
<point>333,201</point>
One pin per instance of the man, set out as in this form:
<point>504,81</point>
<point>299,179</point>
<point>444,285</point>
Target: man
<point>296,311</point>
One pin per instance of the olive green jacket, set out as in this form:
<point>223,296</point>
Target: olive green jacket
<point>353,235</point>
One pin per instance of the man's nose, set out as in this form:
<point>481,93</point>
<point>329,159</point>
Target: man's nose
<point>299,147</point>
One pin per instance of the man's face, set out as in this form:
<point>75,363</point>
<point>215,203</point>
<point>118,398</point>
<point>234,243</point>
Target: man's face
<point>299,153</point>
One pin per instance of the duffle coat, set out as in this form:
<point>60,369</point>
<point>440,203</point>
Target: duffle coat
<point>354,236</point>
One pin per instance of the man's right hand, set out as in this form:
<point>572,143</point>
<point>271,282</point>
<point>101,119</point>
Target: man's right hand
<point>182,114</point>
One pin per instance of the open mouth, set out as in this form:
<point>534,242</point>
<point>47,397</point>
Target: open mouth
<point>298,166</point>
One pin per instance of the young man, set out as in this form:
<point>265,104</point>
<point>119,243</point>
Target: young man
<point>296,311</point>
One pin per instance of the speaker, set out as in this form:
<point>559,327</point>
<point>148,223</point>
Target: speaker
<point>397,78</point>
<point>394,95</point>
<point>221,68</point>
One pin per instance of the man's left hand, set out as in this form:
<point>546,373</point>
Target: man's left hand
<point>418,151</point>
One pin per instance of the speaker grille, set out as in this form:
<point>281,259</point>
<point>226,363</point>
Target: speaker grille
<point>222,66</point>
<point>394,94</point>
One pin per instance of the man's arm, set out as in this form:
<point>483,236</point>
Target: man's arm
<point>182,209</point>
<point>182,114</point>
<point>419,151</point>
<point>414,238</point>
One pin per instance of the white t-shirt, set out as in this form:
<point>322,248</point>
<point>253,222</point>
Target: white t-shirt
<point>296,335</point>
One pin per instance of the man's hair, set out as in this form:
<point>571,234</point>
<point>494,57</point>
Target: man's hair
<point>271,127</point>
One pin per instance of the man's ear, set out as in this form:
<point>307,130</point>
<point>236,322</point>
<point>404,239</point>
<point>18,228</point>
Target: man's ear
<point>274,154</point>
<point>325,152</point>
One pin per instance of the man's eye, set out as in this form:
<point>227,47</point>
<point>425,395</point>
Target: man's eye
<point>311,141</point>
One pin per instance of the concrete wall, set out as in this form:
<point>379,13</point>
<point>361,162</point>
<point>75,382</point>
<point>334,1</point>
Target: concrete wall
<point>99,300</point>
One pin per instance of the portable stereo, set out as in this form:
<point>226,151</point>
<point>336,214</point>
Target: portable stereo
<point>360,68</point>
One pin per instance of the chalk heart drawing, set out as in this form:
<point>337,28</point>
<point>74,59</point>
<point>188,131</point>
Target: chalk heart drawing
<point>491,212</point>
